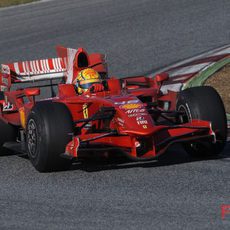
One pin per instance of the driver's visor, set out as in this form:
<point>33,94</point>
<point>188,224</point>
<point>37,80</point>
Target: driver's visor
<point>88,83</point>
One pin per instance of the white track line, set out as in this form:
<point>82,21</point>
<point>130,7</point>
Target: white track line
<point>220,50</point>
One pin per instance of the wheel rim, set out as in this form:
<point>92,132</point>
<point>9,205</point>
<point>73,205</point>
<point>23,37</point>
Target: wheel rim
<point>185,117</point>
<point>32,136</point>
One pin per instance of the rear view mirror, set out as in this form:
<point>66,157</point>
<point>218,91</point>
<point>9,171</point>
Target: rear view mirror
<point>161,77</point>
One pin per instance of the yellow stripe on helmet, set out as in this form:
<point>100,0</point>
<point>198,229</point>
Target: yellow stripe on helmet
<point>89,81</point>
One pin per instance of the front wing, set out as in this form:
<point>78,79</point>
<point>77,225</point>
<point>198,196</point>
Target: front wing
<point>141,147</point>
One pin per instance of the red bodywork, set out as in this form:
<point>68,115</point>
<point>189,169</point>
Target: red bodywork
<point>131,114</point>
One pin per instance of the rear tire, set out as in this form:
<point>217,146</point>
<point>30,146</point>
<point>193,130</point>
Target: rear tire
<point>48,131</point>
<point>204,103</point>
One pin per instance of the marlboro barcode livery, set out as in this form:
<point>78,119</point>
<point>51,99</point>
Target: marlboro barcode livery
<point>92,113</point>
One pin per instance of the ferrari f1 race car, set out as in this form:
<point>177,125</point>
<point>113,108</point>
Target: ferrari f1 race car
<point>130,115</point>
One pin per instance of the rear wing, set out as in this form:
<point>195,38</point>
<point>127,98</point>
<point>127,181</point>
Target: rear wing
<point>30,71</point>
<point>66,65</point>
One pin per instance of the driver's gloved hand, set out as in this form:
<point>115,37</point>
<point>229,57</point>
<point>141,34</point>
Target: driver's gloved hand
<point>97,87</point>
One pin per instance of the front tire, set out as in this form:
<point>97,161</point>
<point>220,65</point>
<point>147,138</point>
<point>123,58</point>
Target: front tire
<point>204,103</point>
<point>48,131</point>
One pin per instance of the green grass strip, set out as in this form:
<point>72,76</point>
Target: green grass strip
<point>204,75</point>
<point>5,3</point>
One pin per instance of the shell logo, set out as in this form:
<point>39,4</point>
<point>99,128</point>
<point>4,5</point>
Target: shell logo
<point>131,106</point>
<point>22,117</point>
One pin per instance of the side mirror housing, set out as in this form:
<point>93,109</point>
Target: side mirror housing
<point>161,77</point>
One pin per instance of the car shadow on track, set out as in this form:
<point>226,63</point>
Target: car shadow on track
<point>174,156</point>
<point>8,152</point>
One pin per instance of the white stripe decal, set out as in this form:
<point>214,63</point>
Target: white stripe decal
<point>24,67</point>
<point>56,64</point>
<point>32,66</point>
<point>27,67</point>
<point>47,65</point>
<point>59,64</point>
<point>37,66</point>
<point>16,67</point>
<point>44,65</point>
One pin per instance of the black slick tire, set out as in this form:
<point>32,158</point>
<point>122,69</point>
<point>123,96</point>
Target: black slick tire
<point>49,129</point>
<point>204,103</point>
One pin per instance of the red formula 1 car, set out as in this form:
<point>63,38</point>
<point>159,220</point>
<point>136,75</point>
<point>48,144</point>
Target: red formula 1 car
<point>131,114</point>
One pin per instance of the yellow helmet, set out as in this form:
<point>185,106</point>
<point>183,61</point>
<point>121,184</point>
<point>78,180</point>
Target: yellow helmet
<point>85,79</point>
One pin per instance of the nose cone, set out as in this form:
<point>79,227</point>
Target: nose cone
<point>136,119</point>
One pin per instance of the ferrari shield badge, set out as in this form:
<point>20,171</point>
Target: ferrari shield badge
<point>85,111</point>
